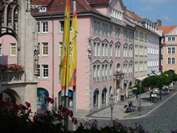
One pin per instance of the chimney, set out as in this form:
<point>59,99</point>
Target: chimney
<point>159,22</point>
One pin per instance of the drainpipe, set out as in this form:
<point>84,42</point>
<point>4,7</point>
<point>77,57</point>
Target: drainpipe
<point>52,62</point>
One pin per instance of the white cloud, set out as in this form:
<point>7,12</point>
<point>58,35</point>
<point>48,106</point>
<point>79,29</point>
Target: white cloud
<point>157,1</point>
<point>165,17</point>
<point>147,8</point>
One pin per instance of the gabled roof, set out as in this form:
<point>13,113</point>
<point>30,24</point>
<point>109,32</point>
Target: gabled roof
<point>166,29</point>
<point>58,7</point>
<point>98,1</point>
<point>41,2</point>
<point>133,14</point>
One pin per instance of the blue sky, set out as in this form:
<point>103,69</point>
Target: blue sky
<point>165,10</point>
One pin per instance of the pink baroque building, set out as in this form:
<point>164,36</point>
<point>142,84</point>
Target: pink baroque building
<point>104,52</point>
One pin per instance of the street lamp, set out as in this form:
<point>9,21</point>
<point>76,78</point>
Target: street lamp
<point>140,85</point>
<point>161,90</point>
<point>111,101</point>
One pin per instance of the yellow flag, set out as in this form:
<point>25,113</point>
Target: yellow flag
<point>73,58</point>
<point>64,61</point>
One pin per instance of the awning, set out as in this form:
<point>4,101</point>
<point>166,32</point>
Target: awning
<point>151,74</point>
<point>141,78</point>
<point>157,73</point>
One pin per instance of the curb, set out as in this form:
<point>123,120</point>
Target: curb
<point>136,117</point>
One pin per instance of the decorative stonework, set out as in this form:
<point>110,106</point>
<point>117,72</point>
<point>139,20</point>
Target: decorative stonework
<point>11,76</point>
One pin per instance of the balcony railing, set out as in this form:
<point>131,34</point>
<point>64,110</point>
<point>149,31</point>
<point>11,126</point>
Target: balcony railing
<point>11,76</point>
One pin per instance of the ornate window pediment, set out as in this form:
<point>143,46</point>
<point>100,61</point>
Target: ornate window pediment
<point>105,41</point>
<point>96,40</point>
<point>97,62</point>
<point>105,62</point>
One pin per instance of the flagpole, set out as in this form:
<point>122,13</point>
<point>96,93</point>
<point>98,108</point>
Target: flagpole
<point>74,87</point>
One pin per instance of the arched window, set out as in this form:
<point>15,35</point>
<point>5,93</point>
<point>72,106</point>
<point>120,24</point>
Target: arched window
<point>104,95</point>
<point>95,98</point>
<point>42,94</point>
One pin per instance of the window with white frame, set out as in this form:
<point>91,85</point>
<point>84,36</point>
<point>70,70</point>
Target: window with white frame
<point>153,50</point>
<point>162,61</point>
<point>45,49</point>
<point>125,35</point>
<point>148,50</point>
<point>111,30</point>
<point>45,71</point>
<point>130,68</point>
<point>136,49</point>
<point>145,65</point>
<point>141,66</point>
<point>103,49</point>
<point>136,34</point>
<point>170,39</point>
<point>104,70</point>
<point>117,49</point>
<point>130,36</point>
<point>96,27</point>
<point>45,27</point>
<point>148,63</point>
<point>61,26</point>
<point>125,50</point>
<point>13,49</point>
<point>141,52</point>
<point>171,50</point>
<point>0,49</point>
<point>111,50</point>
<point>60,49</point>
<point>141,36</point>
<point>106,49</point>
<point>96,71</point>
<point>145,51</point>
<point>43,9</point>
<point>146,37</point>
<point>161,51</point>
<point>104,29</point>
<point>110,71</point>
<point>38,71</point>
<point>38,27</point>
<point>125,68</point>
<point>117,32</point>
<point>171,60</point>
<point>136,66</point>
<point>96,49</point>
<point>131,51</point>
<point>116,13</point>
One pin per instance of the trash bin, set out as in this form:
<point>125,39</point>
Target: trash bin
<point>122,97</point>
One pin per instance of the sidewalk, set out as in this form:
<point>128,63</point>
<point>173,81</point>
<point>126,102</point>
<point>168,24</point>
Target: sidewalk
<point>118,112</point>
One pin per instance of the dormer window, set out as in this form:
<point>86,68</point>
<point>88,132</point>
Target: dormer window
<point>43,9</point>
<point>116,13</point>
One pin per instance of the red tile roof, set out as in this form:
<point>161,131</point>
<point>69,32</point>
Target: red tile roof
<point>166,29</point>
<point>133,14</point>
<point>98,1</point>
<point>41,2</point>
<point>58,7</point>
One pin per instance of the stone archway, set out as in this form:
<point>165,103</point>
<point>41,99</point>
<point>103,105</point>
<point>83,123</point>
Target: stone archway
<point>11,96</point>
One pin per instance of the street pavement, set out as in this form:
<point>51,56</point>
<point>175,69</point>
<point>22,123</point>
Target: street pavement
<point>154,117</point>
<point>147,107</point>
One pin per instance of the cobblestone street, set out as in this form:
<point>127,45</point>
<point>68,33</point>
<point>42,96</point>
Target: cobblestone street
<point>161,119</point>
